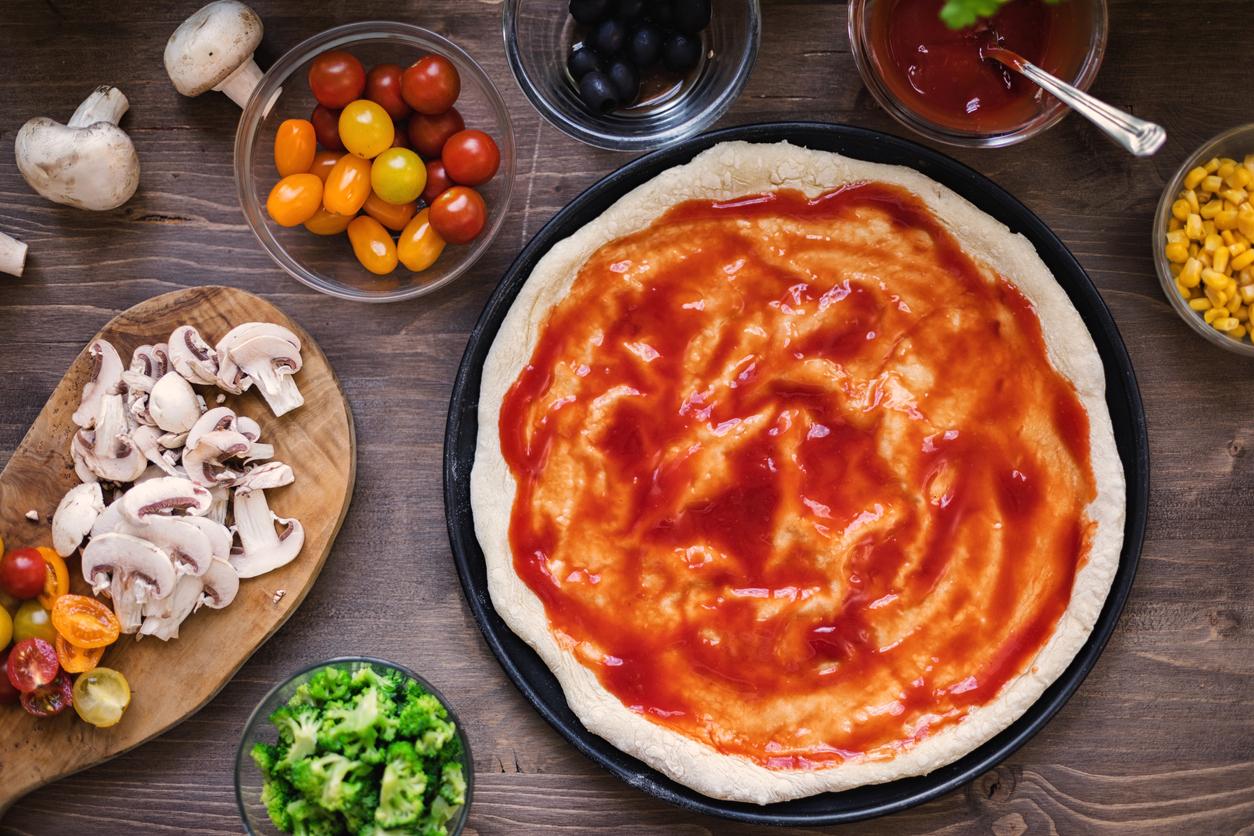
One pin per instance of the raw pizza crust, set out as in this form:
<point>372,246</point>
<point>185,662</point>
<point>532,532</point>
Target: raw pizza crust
<point>729,170</point>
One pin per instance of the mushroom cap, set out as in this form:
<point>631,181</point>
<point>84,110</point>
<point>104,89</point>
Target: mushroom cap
<point>95,167</point>
<point>113,554</point>
<point>172,403</point>
<point>169,493</point>
<point>210,45</point>
<point>75,515</point>
<point>221,583</point>
<point>216,419</point>
<point>192,357</point>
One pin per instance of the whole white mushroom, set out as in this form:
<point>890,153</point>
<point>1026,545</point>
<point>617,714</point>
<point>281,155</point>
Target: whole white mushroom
<point>213,50</point>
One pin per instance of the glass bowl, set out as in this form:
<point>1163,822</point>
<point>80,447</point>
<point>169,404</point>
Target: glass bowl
<point>1048,110</point>
<point>1235,143</point>
<point>538,34</point>
<point>326,263</point>
<point>258,729</point>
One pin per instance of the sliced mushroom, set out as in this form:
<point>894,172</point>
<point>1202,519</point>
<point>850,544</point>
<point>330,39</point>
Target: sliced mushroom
<point>106,376</point>
<point>252,431</point>
<point>173,403</point>
<point>166,495</point>
<point>192,357</point>
<point>75,515</point>
<point>161,360</point>
<point>218,506</point>
<point>218,418</point>
<point>81,446</point>
<point>108,451</point>
<point>215,589</point>
<point>133,570</point>
<point>265,477</point>
<point>189,548</point>
<point>220,538</point>
<point>230,376</point>
<point>270,362</point>
<point>148,440</point>
<point>260,548</point>
<point>206,462</point>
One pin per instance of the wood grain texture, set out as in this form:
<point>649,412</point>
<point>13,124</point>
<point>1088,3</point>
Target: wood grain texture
<point>171,680</point>
<point>1159,739</point>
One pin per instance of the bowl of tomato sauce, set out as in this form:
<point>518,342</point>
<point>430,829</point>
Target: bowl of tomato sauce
<point>936,81</point>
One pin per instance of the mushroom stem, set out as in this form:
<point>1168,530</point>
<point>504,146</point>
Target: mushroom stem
<point>12,255</point>
<point>105,104</point>
<point>240,84</point>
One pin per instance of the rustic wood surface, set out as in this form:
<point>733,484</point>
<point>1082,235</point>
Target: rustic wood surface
<point>172,680</point>
<point>1160,738</point>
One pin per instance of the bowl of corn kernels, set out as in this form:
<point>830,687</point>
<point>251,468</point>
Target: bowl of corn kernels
<point>1204,240</point>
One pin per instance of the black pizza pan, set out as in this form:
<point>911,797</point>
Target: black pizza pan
<point>534,679</point>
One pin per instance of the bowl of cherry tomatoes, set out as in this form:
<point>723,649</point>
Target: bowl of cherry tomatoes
<point>375,161</point>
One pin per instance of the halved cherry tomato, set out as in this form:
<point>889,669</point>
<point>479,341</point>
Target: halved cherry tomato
<point>326,124</point>
<point>85,621</point>
<point>383,86</point>
<point>51,699</point>
<point>470,157</point>
<point>459,214</point>
<point>31,621</point>
<point>336,78</point>
<point>348,186</point>
<point>32,662</point>
<point>8,694</point>
<point>294,146</point>
<point>327,223</point>
<point>76,659</point>
<point>398,175</point>
<point>431,84</point>
<point>419,245</point>
<point>323,162</point>
<point>366,129</point>
<point>372,244</point>
<point>437,181</point>
<point>101,697</point>
<point>429,133</point>
<point>56,577</point>
<point>392,215</point>
<point>22,573</point>
<point>295,199</point>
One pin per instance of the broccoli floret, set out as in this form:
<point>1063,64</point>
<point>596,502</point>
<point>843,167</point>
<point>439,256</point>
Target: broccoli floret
<point>387,682</point>
<point>424,720</point>
<point>332,781</point>
<point>266,756</point>
<point>453,787</point>
<point>402,790</point>
<point>298,731</point>
<point>276,795</point>
<point>356,726</point>
<point>308,819</point>
<point>324,686</point>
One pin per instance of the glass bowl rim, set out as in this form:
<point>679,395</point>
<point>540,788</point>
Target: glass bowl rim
<point>698,121</point>
<point>242,756</point>
<point>271,86</point>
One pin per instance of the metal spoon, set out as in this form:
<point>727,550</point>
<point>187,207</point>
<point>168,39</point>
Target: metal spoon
<point>1137,135</point>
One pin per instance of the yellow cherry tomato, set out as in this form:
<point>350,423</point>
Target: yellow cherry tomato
<point>419,245</point>
<point>101,696</point>
<point>32,621</point>
<point>348,186</point>
<point>323,162</point>
<point>366,129</point>
<point>295,199</point>
<point>392,215</point>
<point>372,245</point>
<point>294,146</point>
<point>57,583</point>
<point>327,223</point>
<point>6,628</point>
<point>398,175</point>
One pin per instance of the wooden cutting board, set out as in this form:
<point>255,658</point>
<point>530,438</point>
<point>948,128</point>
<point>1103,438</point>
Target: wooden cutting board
<point>172,680</point>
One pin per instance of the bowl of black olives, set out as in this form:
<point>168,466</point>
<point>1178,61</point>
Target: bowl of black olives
<point>631,75</point>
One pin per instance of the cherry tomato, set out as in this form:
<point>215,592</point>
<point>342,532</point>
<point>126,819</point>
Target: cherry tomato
<point>372,244</point>
<point>400,139</point>
<point>458,214</point>
<point>323,162</point>
<point>295,199</point>
<point>383,86</point>
<point>327,223</point>
<point>336,78</point>
<point>326,124</point>
<point>398,175</point>
<point>85,621</point>
<point>56,577</point>
<point>470,157</point>
<point>365,129</point>
<point>76,659</point>
<point>419,245</point>
<point>348,186</point>
<point>51,699</point>
<point>32,662</point>
<point>392,215</point>
<point>31,621</point>
<point>429,133</point>
<point>294,146</point>
<point>22,573</point>
<point>8,694</point>
<point>6,627</point>
<point>101,697</point>
<point>437,181</point>
<point>431,85</point>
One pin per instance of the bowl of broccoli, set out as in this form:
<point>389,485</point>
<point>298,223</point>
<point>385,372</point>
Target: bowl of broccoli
<point>354,746</point>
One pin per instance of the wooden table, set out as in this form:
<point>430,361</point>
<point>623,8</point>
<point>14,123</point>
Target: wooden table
<point>1160,738</point>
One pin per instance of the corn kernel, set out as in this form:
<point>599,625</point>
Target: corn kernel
<point>1177,236</point>
<point>1194,248</point>
<point>1212,183</point>
<point>1191,273</point>
<point>1194,177</point>
<point>1190,197</point>
<point>1238,332</point>
<point>1226,167</point>
<point>1200,304</point>
<point>1235,196</point>
<point>1211,208</point>
<point>1211,165</point>
<point>1226,323</point>
<point>1177,252</point>
<point>1180,209</point>
<point>1236,248</point>
<point>1245,223</point>
<point>1193,227</point>
<point>1243,260</point>
<point>1215,279</point>
<point>1247,294</point>
<point>1216,297</point>
<point>1212,243</point>
<point>1239,178</point>
<point>1216,312</point>
<point>1227,219</point>
<point>1174,223</point>
<point>1227,237</point>
<point>1219,261</point>
<point>1208,226</point>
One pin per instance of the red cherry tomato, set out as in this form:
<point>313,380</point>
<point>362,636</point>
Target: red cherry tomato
<point>431,85</point>
<point>326,124</point>
<point>22,573</point>
<point>383,86</point>
<point>336,78</point>
<point>51,699</point>
<point>437,181</point>
<point>8,694</point>
<point>459,215</point>
<point>470,157</point>
<point>400,139</point>
<point>32,662</point>
<point>429,133</point>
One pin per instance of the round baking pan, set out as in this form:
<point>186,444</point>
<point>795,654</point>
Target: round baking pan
<point>530,674</point>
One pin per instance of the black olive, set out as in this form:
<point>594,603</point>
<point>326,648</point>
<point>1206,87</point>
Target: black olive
<point>681,53</point>
<point>691,16</point>
<point>597,92</point>
<point>582,61</point>
<point>589,11</point>
<point>661,12</point>
<point>645,47</point>
<point>629,10</point>
<point>625,80</point>
<point>609,38</point>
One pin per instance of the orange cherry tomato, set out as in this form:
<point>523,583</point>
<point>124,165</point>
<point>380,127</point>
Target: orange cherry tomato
<point>372,244</point>
<point>348,186</point>
<point>419,245</point>
<point>76,659</point>
<point>295,199</point>
<point>323,162</point>
<point>57,581</point>
<point>327,223</point>
<point>294,146</point>
<point>392,215</point>
<point>85,622</point>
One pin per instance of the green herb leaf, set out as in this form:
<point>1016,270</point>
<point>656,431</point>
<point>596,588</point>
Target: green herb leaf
<point>958,14</point>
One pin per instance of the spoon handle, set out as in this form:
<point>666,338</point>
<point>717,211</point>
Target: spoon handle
<point>1139,136</point>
